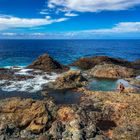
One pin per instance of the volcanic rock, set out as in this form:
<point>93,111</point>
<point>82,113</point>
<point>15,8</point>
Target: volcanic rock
<point>90,62</point>
<point>69,80</point>
<point>47,64</point>
<point>111,71</point>
<point>25,113</point>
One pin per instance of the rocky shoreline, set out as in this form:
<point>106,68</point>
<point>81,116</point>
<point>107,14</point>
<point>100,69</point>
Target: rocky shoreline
<point>97,115</point>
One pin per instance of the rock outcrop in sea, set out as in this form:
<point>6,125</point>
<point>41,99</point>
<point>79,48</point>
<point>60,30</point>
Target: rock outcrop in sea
<point>48,64</point>
<point>89,62</point>
<point>111,71</point>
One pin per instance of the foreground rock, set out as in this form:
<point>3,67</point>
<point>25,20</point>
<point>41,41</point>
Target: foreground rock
<point>111,71</point>
<point>88,63</point>
<point>69,80</point>
<point>47,64</point>
<point>120,114</point>
<point>98,116</point>
<point>28,115</point>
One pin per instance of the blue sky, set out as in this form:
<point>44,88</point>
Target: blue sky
<point>70,19</point>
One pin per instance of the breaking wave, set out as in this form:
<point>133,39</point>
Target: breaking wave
<point>36,83</point>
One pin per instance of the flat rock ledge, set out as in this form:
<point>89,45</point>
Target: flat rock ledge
<point>111,71</point>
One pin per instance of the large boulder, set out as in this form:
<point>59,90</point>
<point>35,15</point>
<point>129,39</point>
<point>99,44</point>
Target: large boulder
<point>90,62</point>
<point>111,71</point>
<point>69,80</point>
<point>47,64</point>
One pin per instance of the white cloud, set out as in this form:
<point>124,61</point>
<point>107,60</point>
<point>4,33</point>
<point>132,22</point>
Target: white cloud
<point>122,28</point>
<point>93,5</point>
<point>68,14</point>
<point>43,13</point>
<point>8,22</point>
<point>8,34</point>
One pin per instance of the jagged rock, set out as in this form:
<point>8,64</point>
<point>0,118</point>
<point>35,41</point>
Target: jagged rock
<point>70,79</point>
<point>98,116</point>
<point>90,62</point>
<point>26,113</point>
<point>47,64</point>
<point>111,71</point>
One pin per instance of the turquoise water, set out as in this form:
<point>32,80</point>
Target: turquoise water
<point>103,85</point>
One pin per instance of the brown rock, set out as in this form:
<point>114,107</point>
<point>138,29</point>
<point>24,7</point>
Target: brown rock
<point>70,79</point>
<point>25,113</point>
<point>90,62</point>
<point>66,114</point>
<point>111,71</point>
<point>47,64</point>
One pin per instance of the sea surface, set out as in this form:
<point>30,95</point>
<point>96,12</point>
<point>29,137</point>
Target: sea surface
<point>23,52</point>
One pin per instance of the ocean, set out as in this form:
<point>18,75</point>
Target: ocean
<point>23,52</point>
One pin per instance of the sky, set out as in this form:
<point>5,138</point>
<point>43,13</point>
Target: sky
<point>70,19</point>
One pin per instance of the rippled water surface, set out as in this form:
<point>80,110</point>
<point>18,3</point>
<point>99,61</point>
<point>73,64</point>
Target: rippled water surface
<point>23,52</point>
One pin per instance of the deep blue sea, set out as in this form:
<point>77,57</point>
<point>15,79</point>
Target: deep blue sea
<point>23,52</point>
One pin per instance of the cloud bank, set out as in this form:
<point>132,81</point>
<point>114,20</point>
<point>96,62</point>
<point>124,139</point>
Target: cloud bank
<point>8,22</point>
<point>118,29</point>
<point>92,5</point>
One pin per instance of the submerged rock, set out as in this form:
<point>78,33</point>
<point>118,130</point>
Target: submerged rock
<point>111,71</point>
<point>69,80</point>
<point>47,64</point>
<point>90,62</point>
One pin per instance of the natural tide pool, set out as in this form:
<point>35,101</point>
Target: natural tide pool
<point>99,84</point>
<point>59,96</point>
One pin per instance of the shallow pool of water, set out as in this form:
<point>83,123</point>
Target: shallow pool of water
<point>99,84</point>
<point>59,96</point>
<point>103,85</point>
<point>35,96</point>
<point>65,96</point>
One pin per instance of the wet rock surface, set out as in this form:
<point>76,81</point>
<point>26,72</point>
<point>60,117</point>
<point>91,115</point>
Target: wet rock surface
<point>9,74</point>
<point>47,64</point>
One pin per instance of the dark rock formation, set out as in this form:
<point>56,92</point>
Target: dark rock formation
<point>47,64</point>
<point>111,71</point>
<point>69,80</point>
<point>90,62</point>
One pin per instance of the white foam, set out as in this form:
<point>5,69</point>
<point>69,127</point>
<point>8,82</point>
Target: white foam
<point>24,72</point>
<point>29,85</point>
